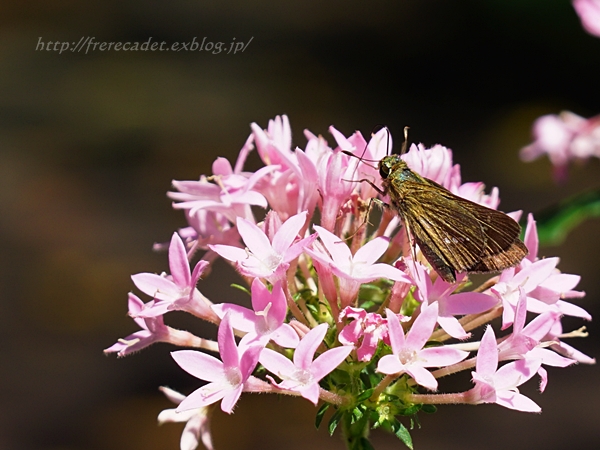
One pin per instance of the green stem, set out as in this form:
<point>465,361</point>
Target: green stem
<point>354,433</point>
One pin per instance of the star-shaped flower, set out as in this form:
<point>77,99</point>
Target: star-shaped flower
<point>353,270</point>
<point>152,330</point>
<point>493,385</point>
<point>177,291</point>
<point>226,378</point>
<point>264,258</point>
<point>303,374</point>
<point>409,356</point>
<point>266,321</point>
<point>197,422</point>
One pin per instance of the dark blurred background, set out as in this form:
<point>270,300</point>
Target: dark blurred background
<point>90,143</point>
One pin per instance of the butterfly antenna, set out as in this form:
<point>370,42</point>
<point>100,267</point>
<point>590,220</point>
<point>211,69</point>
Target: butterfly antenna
<point>389,141</point>
<point>405,143</point>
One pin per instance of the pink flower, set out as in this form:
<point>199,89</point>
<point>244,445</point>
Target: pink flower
<point>450,304</point>
<point>493,385</point>
<point>526,341</point>
<point>177,291</point>
<point>366,328</point>
<point>353,270</point>
<point>434,163</point>
<point>303,374</point>
<point>293,189</point>
<point>266,321</point>
<point>475,192</point>
<point>197,422</point>
<point>528,279</point>
<point>209,227</point>
<point>409,356</point>
<point>274,145</point>
<point>556,334</point>
<point>292,185</point>
<point>544,286</point>
<point>549,294</point>
<point>589,13</point>
<point>231,194</point>
<point>264,258</point>
<point>152,330</point>
<point>563,138</point>
<point>334,187</point>
<point>378,146</point>
<point>226,379</point>
<point>531,239</point>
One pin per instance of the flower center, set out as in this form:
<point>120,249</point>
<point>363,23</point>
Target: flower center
<point>272,261</point>
<point>303,376</point>
<point>233,376</point>
<point>262,323</point>
<point>407,356</point>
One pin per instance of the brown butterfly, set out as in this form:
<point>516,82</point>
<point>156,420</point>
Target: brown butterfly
<point>454,234</point>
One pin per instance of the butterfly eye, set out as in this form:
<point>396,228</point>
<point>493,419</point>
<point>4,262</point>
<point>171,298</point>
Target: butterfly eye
<point>384,170</point>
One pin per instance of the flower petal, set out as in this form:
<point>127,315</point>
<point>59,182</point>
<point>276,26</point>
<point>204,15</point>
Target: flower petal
<point>255,239</point>
<point>206,395</point>
<point>288,232</point>
<point>328,361</point>
<point>276,363</point>
<point>422,328</point>
<point>200,365</point>
<point>422,376</point>
<point>303,356</point>
<point>390,364</point>
<point>178,262</point>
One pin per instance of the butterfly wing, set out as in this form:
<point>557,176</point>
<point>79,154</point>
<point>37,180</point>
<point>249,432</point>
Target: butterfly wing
<point>455,234</point>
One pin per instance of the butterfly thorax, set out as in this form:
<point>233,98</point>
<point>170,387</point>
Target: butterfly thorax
<point>394,173</point>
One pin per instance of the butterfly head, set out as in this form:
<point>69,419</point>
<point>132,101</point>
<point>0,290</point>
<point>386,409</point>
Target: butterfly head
<point>389,164</point>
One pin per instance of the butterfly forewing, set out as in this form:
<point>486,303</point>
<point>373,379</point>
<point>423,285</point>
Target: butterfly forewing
<point>445,227</point>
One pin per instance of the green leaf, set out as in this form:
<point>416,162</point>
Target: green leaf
<point>312,308</point>
<point>334,421</point>
<point>241,288</point>
<point>365,395</point>
<point>429,409</point>
<point>367,304</point>
<point>358,413</point>
<point>402,433</point>
<point>320,414</point>
<point>555,222</point>
<point>411,410</point>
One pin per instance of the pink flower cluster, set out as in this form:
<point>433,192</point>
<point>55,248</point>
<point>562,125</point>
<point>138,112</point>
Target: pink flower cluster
<point>564,138</point>
<point>343,313</point>
<point>589,13</point>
